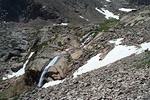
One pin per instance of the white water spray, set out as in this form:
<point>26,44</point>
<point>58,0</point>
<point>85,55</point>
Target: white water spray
<point>52,62</point>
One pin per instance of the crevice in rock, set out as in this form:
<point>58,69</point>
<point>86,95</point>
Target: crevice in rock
<point>31,77</point>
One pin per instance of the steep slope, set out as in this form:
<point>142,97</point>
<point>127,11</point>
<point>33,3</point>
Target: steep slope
<point>74,43</point>
<point>127,75</point>
<point>127,78</point>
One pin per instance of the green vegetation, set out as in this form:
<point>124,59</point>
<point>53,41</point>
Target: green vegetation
<point>40,46</point>
<point>107,24</point>
<point>1,80</point>
<point>3,96</point>
<point>44,44</point>
<point>16,97</point>
<point>13,90</point>
<point>144,63</point>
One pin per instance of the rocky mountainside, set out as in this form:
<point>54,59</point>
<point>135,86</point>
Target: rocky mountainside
<point>34,32</point>
<point>61,10</point>
<point>125,79</point>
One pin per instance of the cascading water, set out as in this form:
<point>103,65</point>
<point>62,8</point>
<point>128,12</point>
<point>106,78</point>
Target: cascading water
<point>51,63</point>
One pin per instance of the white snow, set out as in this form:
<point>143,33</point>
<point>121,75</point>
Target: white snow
<point>62,24</point>
<point>81,17</point>
<point>105,5</point>
<point>52,83</point>
<point>84,18</point>
<point>144,46</point>
<point>19,72</point>
<point>119,52</point>
<point>107,13</point>
<point>126,9</point>
<point>108,0</point>
<point>117,41</point>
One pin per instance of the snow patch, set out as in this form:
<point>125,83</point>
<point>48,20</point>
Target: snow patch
<point>108,0</point>
<point>126,9</point>
<point>105,5</point>
<point>117,41</point>
<point>107,13</point>
<point>84,18</point>
<point>119,52</point>
<point>62,24</point>
<point>52,83</point>
<point>19,72</point>
<point>144,46</point>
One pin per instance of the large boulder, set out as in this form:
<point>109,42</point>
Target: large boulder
<point>61,68</point>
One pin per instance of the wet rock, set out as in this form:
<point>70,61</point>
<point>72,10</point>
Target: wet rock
<point>61,68</point>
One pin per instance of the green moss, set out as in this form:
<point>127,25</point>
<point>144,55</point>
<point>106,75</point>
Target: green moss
<point>3,96</point>
<point>107,24</point>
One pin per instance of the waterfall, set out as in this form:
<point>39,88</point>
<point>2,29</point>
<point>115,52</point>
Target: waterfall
<point>51,63</point>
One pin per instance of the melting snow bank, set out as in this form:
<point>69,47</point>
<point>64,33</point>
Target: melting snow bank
<point>119,52</point>
<point>126,9</point>
<point>21,71</point>
<point>52,83</point>
<point>107,13</point>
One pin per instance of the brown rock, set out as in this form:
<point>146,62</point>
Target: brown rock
<point>76,54</point>
<point>61,68</point>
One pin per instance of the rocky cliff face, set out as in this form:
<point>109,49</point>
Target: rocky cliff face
<point>61,11</point>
